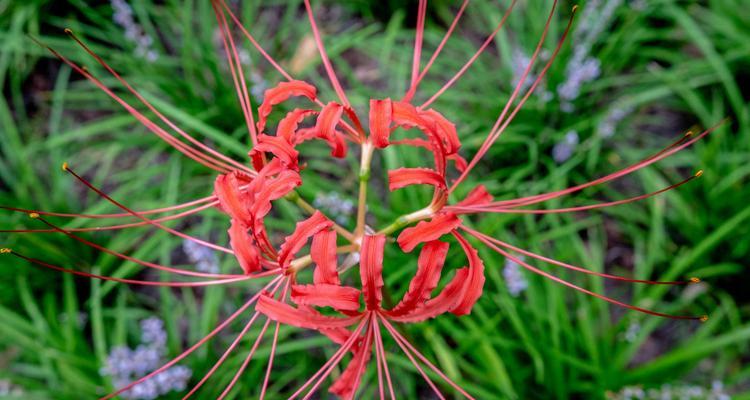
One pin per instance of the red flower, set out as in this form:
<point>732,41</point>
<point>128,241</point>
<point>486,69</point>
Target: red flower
<point>458,296</point>
<point>247,196</point>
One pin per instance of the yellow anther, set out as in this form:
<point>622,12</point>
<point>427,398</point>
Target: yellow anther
<point>68,31</point>
<point>575,7</point>
<point>689,133</point>
<point>65,166</point>
<point>704,318</point>
<point>33,215</point>
<point>5,250</point>
<point>699,173</point>
<point>695,279</point>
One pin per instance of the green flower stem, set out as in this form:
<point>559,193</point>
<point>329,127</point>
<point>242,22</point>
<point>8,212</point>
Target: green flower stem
<point>406,220</point>
<point>364,180</point>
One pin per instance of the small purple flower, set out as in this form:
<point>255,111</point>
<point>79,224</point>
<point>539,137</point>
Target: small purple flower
<point>125,365</point>
<point>204,258</point>
<point>514,279</point>
<point>123,16</point>
<point>607,126</point>
<point>583,67</point>
<point>563,150</point>
<point>339,208</point>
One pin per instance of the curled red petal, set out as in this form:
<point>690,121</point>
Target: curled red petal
<point>401,177</point>
<point>273,189</point>
<point>245,249</point>
<point>416,142</point>
<point>429,267</point>
<point>325,128</point>
<point>337,144</point>
<point>267,171</point>
<point>408,116</point>
<point>347,382</point>
<point>258,158</point>
<point>279,147</point>
<point>445,129</point>
<point>270,190</point>
<point>444,302</point>
<point>337,335</point>
<point>305,134</point>
<point>329,118</point>
<point>323,254</point>
<point>290,123</point>
<point>342,298</point>
<point>281,93</point>
<point>371,269</point>
<point>459,161</point>
<point>358,137</point>
<point>231,199</point>
<point>302,232</point>
<point>426,231</point>
<point>478,196</point>
<point>286,314</point>
<point>474,282</point>
<point>381,115</point>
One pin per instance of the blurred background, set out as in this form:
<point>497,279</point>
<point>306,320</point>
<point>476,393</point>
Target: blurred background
<point>633,77</point>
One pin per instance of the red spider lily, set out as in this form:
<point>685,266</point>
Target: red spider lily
<point>417,305</point>
<point>247,195</point>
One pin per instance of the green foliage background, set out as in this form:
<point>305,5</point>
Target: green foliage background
<point>677,65</point>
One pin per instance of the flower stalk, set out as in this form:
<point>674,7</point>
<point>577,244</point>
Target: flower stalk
<point>407,219</point>
<point>364,180</point>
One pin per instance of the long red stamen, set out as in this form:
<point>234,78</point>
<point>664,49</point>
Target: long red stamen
<point>229,349</point>
<point>485,239</point>
<point>254,42</point>
<point>497,129</point>
<point>576,268</point>
<point>414,362</point>
<point>366,346</point>
<point>353,133</point>
<point>267,378</point>
<point>381,350</point>
<point>412,90</point>
<point>324,57</point>
<point>441,374</point>
<point>501,208</point>
<point>250,355</point>
<point>275,341</point>
<point>223,356</point>
<point>328,371</point>
<point>129,258</point>
<point>209,152</point>
<point>197,345</point>
<point>617,174</point>
<point>157,130</point>
<point>245,363</point>
<point>378,361</point>
<point>471,60</point>
<point>235,68</point>
<point>332,362</point>
<point>115,215</point>
<point>418,39</point>
<point>140,216</point>
<point>114,227</point>
<point>136,281</point>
